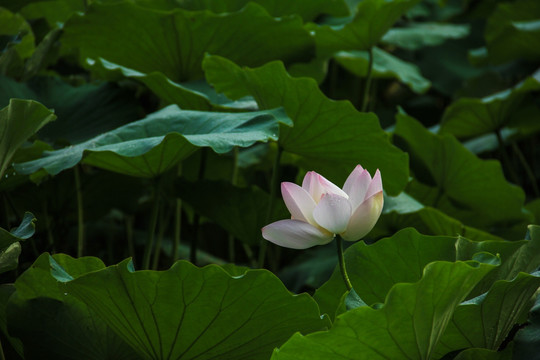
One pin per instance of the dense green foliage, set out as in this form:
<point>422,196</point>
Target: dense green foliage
<point>142,143</point>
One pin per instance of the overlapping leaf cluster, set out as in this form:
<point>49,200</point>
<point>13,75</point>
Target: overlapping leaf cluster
<point>157,130</point>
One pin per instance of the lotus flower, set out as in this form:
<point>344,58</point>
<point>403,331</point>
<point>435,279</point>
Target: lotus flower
<point>320,210</point>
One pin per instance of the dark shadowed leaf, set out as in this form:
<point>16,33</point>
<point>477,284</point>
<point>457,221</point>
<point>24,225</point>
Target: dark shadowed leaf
<point>462,185</point>
<point>513,31</point>
<point>82,111</point>
<point>174,42</point>
<point>385,65</point>
<point>240,211</point>
<point>54,325</point>
<point>418,35</point>
<point>372,20</point>
<point>204,313</point>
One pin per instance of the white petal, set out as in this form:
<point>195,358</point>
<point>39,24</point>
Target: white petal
<point>356,186</point>
<point>295,234</point>
<point>364,218</point>
<point>333,213</point>
<point>375,186</point>
<point>317,185</point>
<point>298,201</point>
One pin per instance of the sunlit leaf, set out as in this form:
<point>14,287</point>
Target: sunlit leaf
<point>485,321</point>
<point>332,137</point>
<point>408,326</point>
<point>151,146</point>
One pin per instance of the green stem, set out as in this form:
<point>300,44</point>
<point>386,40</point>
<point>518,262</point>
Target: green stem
<point>50,238</point>
<point>197,218</point>
<point>80,213</point>
<point>365,100</point>
<point>250,255</point>
<point>177,221</point>
<point>2,356</point>
<point>163,223</point>
<point>151,230</point>
<point>234,182</point>
<point>129,237</point>
<point>341,260</point>
<point>527,168</point>
<point>271,201</point>
<point>506,157</point>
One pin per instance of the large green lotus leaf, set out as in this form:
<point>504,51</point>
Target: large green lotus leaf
<point>418,35</point>
<point>19,120</point>
<point>193,95</point>
<point>468,117</point>
<point>371,21</point>
<point>462,184</point>
<point>151,146</point>
<point>53,324</point>
<point>385,65</point>
<point>408,326</point>
<point>174,42</point>
<point>308,10</point>
<point>240,211</point>
<point>17,42</point>
<point>332,137</point>
<point>82,111</point>
<point>404,211</point>
<point>485,321</point>
<point>204,313</point>
<point>513,32</point>
<point>374,269</point>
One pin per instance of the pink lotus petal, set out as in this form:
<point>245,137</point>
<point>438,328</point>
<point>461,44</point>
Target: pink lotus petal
<point>364,218</point>
<point>356,186</point>
<point>298,201</point>
<point>376,185</point>
<point>333,213</point>
<point>295,234</point>
<point>317,185</point>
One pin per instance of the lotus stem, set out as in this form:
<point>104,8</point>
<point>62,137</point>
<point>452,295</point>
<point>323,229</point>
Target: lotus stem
<point>80,213</point>
<point>234,182</point>
<point>271,201</point>
<point>506,157</point>
<point>129,236</point>
<point>341,260</point>
<point>151,230</point>
<point>527,168</point>
<point>367,87</point>
<point>197,218</point>
<point>177,221</point>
